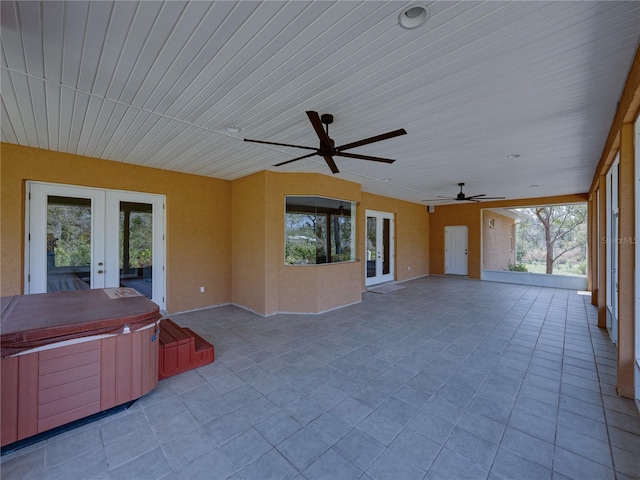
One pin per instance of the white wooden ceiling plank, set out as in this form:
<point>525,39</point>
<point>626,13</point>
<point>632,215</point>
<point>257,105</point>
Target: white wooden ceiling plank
<point>310,73</point>
<point>133,137</point>
<point>25,106</point>
<point>77,120</point>
<point>10,102</point>
<point>237,41</point>
<point>248,61</point>
<point>125,124</point>
<point>31,28</point>
<point>52,40</point>
<point>107,109</point>
<point>159,34</point>
<point>67,101</point>
<point>39,103</point>
<point>120,22</point>
<point>106,135</point>
<point>9,134</point>
<point>176,45</point>
<point>139,151</point>
<point>136,36</point>
<point>181,137</point>
<point>192,142</point>
<point>52,93</point>
<point>169,132</point>
<point>197,51</point>
<point>75,18</point>
<point>93,110</point>
<point>94,40</point>
<point>286,63</point>
<point>199,67</point>
<point>11,37</point>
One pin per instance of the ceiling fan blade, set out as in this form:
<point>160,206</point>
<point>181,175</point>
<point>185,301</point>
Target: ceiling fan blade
<point>279,144</point>
<point>295,159</point>
<point>493,198</point>
<point>317,126</point>
<point>369,140</point>
<point>331,163</point>
<point>364,157</point>
<point>447,198</point>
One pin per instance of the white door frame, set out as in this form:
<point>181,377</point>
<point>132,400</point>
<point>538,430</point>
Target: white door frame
<point>456,245</point>
<point>105,226</point>
<point>379,253</point>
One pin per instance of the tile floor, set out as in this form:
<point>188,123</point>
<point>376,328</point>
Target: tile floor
<point>445,379</point>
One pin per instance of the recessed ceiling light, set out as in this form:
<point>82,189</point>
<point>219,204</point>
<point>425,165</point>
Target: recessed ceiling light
<point>514,155</point>
<point>413,16</point>
<point>232,129</point>
<point>386,179</point>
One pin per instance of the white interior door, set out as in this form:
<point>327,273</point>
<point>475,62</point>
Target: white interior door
<point>379,230</point>
<point>80,238</point>
<point>456,250</point>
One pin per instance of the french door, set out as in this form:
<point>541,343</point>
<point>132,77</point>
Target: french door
<point>79,238</point>
<point>380,257</point>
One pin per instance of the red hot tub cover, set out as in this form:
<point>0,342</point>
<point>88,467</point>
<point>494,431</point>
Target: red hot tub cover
<point>31,321</point>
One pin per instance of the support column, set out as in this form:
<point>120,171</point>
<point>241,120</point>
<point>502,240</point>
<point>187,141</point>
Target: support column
<point>592,254</point>
<point>602,248</point>
<point>626,264</point>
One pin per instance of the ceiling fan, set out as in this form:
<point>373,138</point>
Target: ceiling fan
<point>327,148</point>
<point>461,197</point>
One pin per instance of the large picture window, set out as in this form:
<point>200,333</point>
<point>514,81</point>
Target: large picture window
<point>319,230</point>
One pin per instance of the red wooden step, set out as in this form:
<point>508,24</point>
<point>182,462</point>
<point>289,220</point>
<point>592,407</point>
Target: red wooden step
<point>181,349</point>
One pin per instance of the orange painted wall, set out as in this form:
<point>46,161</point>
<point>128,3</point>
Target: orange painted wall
<point>497,253</point>
<point>248,242</point>
<point>198,218</point>
<point>470,214</point>
<point>261,280</point>
<point>296,288</point>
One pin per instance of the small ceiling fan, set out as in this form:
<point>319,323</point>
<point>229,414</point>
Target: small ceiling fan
<point>461,197</point>
<point>327,148</point>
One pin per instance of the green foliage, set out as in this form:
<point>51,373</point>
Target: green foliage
<point>553,238</point>
<point>307,241</point>
<point>518,267</point>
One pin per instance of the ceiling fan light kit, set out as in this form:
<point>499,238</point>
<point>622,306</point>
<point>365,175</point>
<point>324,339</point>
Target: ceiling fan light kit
<point>327,148</point>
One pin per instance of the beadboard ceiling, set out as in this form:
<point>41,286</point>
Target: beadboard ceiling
<point>156,83</point>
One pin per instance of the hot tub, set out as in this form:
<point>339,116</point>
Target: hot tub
<point>68,355</point>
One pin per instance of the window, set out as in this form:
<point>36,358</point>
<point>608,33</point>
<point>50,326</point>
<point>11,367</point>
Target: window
<point>319,230</point>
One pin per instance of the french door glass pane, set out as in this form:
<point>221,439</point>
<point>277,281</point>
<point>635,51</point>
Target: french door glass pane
<point>136,247</point>
<point>68,243</point>
<point>386,256</point>
<point>372,237</point>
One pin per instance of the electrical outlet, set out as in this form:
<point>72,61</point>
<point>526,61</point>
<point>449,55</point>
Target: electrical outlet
<point>409,268</point>
<point>201,289</point>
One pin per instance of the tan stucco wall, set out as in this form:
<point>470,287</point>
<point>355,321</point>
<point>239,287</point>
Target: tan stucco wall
<point>198,219</point>
<point>261,280</point>
<point>497,253</point>
<point>248,242</point>
<point>470,214</point>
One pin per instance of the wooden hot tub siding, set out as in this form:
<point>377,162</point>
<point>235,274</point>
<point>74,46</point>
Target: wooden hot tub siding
<point>49,388</point>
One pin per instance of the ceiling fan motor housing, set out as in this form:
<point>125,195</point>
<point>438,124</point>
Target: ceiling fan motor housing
<point>326,118</point>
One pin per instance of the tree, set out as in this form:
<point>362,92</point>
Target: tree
<point>557,229</point>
